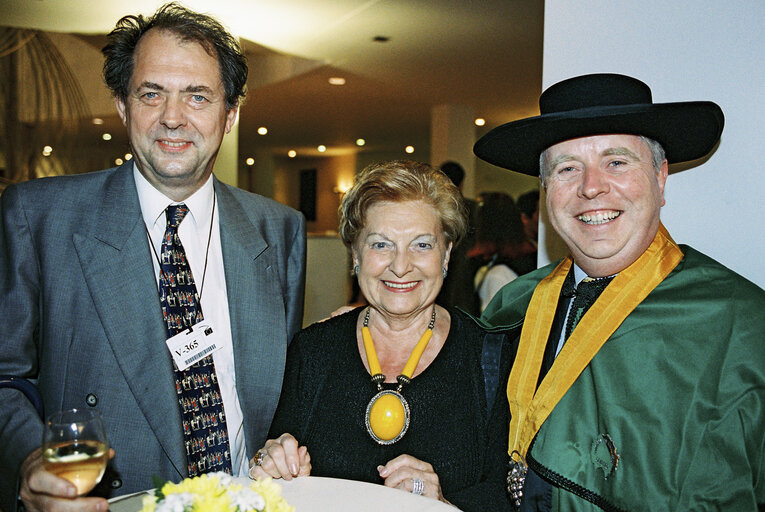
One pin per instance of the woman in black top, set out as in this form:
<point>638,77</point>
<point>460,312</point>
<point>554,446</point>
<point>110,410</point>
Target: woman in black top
<point>395,392</point>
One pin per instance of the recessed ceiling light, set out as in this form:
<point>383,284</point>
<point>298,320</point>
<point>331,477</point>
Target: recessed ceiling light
<point>360,142</point>
<point>480,121</point>
<point>409,149</point>
<point>322,148</point>
<point>106,136</point>
<point>337,80</point>
<point>128,156</point>
<point>98,120</point>
<point>47,150</point>
<point>118,161</point>
<point>250,161</point>
<point>262,130</point>
<point>292,153</point>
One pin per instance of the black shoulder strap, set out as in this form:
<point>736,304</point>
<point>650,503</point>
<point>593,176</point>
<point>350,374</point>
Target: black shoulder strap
<point>490,359</point>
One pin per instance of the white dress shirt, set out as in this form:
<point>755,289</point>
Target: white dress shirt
<point>194,231</point>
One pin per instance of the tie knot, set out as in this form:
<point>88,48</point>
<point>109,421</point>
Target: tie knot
<point>591,288</point>
<point>175,214</point>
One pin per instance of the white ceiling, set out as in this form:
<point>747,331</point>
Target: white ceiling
<point>483,53</point>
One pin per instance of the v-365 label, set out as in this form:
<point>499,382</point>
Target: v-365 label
<point>191,345</point>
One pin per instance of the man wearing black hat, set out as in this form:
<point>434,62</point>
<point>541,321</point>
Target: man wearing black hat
<point>639,381</point>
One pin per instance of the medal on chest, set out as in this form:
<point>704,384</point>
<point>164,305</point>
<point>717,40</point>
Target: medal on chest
<point>516,477</point>
<point>388,415</point>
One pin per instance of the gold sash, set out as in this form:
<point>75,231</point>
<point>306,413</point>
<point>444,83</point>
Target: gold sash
<point>528,409</point>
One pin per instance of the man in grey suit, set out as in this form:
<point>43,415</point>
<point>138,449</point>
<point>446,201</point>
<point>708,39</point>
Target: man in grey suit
<point>82,288</point>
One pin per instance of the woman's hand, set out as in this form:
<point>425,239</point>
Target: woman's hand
<point>281,458</point>
<point>403,471</point>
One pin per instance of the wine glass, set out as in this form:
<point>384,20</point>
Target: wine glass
<point>75,447</point>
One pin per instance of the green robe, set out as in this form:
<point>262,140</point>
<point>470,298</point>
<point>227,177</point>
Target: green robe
<point>680,390</point>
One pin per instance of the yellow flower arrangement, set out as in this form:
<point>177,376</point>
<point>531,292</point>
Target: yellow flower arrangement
<point>217,492</point>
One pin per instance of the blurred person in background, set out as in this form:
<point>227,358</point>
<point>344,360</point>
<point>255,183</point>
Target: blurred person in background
<point>528,204</point>
<point>501,251</point>
<point>457,290</point>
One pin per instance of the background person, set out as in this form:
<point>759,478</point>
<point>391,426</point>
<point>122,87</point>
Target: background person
<point>647,355</point>
<point>528,204</point>
<point>457,290</point>
<point>86,312</point>
<point>501,251</point>
<point>400,220</point>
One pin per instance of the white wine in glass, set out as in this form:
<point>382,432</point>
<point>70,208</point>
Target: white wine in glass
<point>75,447</point>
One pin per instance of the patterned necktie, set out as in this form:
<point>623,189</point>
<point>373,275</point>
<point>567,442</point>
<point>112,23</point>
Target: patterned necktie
<point>587,292</point>
<point>204,420</point>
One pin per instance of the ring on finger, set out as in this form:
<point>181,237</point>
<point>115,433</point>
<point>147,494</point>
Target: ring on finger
<point>259,458</point>
<point>418,486</point>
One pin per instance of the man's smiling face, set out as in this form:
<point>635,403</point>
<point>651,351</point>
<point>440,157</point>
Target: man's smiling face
<point>603,198</point>
<point>175,112</point>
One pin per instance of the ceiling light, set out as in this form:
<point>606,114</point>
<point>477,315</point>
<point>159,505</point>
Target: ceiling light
<point>47,150</point>
<point>360,142</point>
<point>409,149</point>
<point>322,148</point>
<point>128,156</point>
<point>98,120</point>
<point>118,161</point>
<point>337,80</point>
<point>262,130</point>
<point>480,121</point>
<point>292,153</point>
<point>250,161</point>
<point>106,136</point>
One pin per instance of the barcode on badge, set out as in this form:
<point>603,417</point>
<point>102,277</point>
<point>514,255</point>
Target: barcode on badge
<point>194,359</point>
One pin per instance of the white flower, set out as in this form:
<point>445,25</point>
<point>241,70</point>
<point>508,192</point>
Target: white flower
<point>175,502</point>
<point>224,478</point>
<point>246,499</point>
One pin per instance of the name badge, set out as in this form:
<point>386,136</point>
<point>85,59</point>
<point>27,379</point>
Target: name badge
<point>191,345</point>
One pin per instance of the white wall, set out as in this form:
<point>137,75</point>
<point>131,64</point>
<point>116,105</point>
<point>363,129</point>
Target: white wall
<point>685,50</point>
<point>328,280</point>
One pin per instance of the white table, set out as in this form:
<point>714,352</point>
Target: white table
<point>315,494</point>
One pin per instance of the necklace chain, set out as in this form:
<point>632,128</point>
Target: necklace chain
<point>411,364</point>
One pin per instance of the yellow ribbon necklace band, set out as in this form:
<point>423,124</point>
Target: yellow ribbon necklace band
<point>387,415</point>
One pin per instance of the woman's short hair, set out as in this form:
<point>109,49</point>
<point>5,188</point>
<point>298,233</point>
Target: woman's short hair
<point>398,181</point>
<point>188,26</point>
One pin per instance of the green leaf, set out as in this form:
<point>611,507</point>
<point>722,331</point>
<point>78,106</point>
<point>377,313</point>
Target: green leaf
<point>159,483</point>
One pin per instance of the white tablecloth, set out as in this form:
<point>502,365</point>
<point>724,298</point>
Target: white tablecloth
<point>315,494</point>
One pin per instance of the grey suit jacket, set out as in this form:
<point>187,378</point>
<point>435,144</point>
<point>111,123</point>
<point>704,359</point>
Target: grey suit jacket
<point>81,318</point>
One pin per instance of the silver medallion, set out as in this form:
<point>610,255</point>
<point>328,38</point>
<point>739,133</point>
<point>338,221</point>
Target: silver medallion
<point>516,477</point>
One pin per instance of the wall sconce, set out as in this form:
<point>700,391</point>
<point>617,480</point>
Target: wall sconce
<point>341,188</point>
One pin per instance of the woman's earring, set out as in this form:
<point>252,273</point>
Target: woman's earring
<point>355,270</point>
<point>444,272</point>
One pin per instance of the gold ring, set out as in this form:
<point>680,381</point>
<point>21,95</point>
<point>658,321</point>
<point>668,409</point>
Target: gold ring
<point>259,458</point>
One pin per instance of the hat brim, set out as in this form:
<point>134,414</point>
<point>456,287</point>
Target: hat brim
<point>686,131</point>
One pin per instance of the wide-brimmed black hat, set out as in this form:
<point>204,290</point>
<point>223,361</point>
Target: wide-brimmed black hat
<point>603,104</point>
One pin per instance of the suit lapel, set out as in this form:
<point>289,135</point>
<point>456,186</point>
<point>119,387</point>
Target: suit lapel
<point>116,262</point>
<point>256,307</point>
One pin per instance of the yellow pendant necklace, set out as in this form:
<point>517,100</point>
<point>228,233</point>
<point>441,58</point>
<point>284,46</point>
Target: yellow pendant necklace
<point>387,416</point>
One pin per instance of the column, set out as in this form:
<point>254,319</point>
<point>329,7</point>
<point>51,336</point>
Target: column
<point>452,135</point>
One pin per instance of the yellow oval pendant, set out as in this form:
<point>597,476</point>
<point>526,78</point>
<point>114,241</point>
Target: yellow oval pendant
<point>387,417</point>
